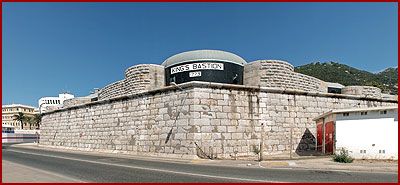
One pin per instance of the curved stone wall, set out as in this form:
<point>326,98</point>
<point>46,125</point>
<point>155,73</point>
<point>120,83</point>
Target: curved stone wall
<point>112,90</point>
<point>144,77</point>
<point>276,65</point>
<point>138,78</point>
<point>367,91</point>
<point>280,74</point>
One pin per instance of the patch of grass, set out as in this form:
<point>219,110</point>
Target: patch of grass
<point>343,157</point>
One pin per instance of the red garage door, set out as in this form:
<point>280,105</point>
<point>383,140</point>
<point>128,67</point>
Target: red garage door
<point>329,131</point>
<point>319,137</point>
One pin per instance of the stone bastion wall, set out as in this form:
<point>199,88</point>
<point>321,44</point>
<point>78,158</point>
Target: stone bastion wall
<point>215,121</point>
<point>76,101</point>
<point>262,73</point>
<point>280,74</point>
<point>367,91</point>
<point>138,78</point>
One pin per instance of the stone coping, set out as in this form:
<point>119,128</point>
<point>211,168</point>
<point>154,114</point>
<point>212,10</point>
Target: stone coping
<point>142,65</point>
<point>199,84</point>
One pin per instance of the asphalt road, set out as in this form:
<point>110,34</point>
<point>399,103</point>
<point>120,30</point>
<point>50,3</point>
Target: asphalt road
<point>89,168</point>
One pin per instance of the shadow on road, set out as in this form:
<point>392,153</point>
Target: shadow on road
<point>7,145</point>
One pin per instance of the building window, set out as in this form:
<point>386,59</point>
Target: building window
<point>381,151</point>
<point>364,113</point>
<point>363,151</point>
<point>384,112</point>
<point>346,114</point>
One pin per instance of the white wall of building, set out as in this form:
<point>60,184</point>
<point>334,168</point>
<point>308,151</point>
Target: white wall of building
<point>51,103</point>
<point>375,133</point>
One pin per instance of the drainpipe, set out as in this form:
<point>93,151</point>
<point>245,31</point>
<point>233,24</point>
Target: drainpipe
<point>262,143</point>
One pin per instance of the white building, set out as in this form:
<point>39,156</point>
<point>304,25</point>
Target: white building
<point>52,103</point>
<point>8,115</point>
<point>366,133</point>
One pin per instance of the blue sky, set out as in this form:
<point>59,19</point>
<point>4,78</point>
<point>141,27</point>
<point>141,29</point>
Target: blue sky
<point>52,47</point>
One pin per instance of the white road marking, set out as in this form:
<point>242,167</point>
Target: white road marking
<point>150,169</point>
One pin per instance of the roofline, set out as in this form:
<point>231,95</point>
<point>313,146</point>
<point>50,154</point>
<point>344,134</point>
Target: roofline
<point>17,105</point>
<point>203,60</point>
<point>236,58</point>
<point>353,110</point>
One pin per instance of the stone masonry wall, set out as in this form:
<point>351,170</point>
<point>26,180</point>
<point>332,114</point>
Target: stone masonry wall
<point>76,101</point>
<point>137,124</point>
<point>215,121</point>
<point>113,90</point>
<point>366,91</point>
<point>138,78</point>
<point>280,74</point>
<point>144,77</point>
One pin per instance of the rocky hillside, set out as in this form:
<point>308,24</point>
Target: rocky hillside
<point>346,75</point>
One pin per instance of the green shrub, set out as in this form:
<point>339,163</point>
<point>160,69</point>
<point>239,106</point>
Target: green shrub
<point>343,157</point>
<point>256,150</point>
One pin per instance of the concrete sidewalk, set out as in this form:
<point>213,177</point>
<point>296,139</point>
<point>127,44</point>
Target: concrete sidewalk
<point>14,172</point>
<point>326,163</point>
<point>317,163</point>
<point>322,163</point>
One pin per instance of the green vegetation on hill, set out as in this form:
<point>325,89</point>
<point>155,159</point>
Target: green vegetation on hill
<point>346,75</point>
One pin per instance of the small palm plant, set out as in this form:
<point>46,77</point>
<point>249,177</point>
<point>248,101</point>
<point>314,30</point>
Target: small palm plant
<point>21,118</point>
<point>29,120</point>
